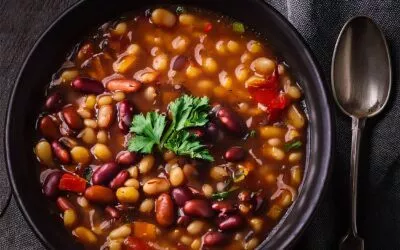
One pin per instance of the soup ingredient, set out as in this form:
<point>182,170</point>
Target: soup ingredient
<point>73,183</point>
<point>293,145</point>
<point>238,27</point>
<point>223,195</point>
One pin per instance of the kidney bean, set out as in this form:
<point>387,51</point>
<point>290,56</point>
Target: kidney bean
<point>54,102</point>
<point>126,158</point>
<point>258,202</point>
<point>197,207</point>
<point>164,210</point>
<point>181,195</point>
<point>99,194</point>
<point>235,154</point>
<point>61,153</point>
<point>119,180</point>
<point>88,86</point>
<point>212,132</point>
<point>72,118</point>
<point>124,85</point>
<point>231,121</point>
<point>179,62</point>
<point>50,184</point>
<point>112,212</point>
<point>105,116</point>
<point>66,131</point>
<point>230,222</point>
<point>223,206</point>
<point>105,173</point>
<point>214,238</point>
<point>125,114</point>
<point>48,128</point>
<point>64,204</point>
<point>183,220</point>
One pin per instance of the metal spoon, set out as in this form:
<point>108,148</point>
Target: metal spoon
<point>361,83</point>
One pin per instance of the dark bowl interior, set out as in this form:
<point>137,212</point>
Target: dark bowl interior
<point>49,53</point>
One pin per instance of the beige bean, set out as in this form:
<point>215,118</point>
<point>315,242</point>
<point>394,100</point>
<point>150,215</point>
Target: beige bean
<point>273,153</point>
<point>204,86</point>
<point>169,155</point>
<point>196,227</point>
<point>210,66</point>
<point>105,116</point>
<point>102,152</point>
<point>295,157</point>
<point>295,117</point>
<point>82,201</point>
<point>163,17</point>
<point>186,19</point>
<point>81,155</point>
<point>187,240</point>
<point>84,113</point>
<point>295,176</point>
<point>90,102</point>
<point>254,47</point>
<point>146,164</point>
<point>207,190</point>
<point>115,245</point>
<point>119,96</point>
<point>104,100</point>
<point>263,66</point>
<point>225,80</point>
<point>156,186</point>
<point>70,218</point>
<point>246,58</point>
<point>88,136</point>
<point>90,123</point>
<point>132,182</point>
<point>196,244</point>
<point>242,73</point>
<point>294,92</point>
<point>125,64</point>
<point>147,75</point>
<point>147,205</point>
<point>256,224</point>
<point>218,173</point>
<point>133,49</point>
<point>268,132</point>
<point>160,62</point>
<point>251,244</point>
<point>193,72</point>
<point>120,232</point>
<point>69,75</point>
<point>150,93</point>
<point>176,176</point>
<point>180,44</point>
<point>221,48</point>
<point>102,136</point>
<point>120,29</point>
<point>233,47</point>
<point>133,172</point>
<point>44,153</point>
<point>276,142</point>
<point>85,236</point>
<point>127,194</point>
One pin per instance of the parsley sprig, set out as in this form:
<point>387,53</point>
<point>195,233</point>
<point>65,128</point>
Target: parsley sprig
<point>187,112</point>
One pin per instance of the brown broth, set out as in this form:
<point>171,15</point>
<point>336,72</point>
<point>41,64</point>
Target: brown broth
<point>274,173</point>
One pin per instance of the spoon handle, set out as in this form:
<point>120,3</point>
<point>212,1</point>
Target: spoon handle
<point>357,128</point>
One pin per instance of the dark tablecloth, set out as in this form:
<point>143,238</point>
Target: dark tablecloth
<point>22,21</point>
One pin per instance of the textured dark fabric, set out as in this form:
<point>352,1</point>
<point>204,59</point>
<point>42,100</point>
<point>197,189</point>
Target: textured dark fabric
<point>22,21</point>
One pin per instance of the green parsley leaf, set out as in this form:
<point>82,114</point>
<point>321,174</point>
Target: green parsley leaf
<point>180,10</point>
<point>185,143</point>
<point>293,145</point>
<point>238,27</point>
<point>252,133</point>
<point>148,132</point>
<point>87,173</point>
<point>223,195</point>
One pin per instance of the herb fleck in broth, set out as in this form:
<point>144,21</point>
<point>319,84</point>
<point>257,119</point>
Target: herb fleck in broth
<point>214,155</point>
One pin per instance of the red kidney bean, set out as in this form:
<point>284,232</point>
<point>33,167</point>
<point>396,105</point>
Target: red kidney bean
<point>212,132</point>
<point>230,222</point>
<point>244,196</point>
<point>54,102</point>
<point>223,206</point>
<point>119,180</point>
<point>258,202</point>
<point>50,184</point>
<point>183,220</point>
<point>112,212</point>
<point>88,85</point>
<point>72,118</point>
<point>213,238</point>
<point>181,195</point>
<point>231,121</point>
<point>235,154</point>
<point>61,153</point>
<point>164,210</point>
<point>125,115</point>
<point>197,207</point>
<point>64,204</point>
<point>105,173</point>
<point>179,62</point>
<point>126,158</point>
<point>99,194</point>
<point>66,131</point>
<point>124,85</point>
<point>49,128</point>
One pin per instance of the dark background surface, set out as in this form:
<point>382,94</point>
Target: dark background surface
<point>22,22</point>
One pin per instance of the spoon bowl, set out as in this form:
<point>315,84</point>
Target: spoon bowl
<point>361,74</point>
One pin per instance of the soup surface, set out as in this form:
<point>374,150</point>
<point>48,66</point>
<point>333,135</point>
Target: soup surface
<point>171,129</point>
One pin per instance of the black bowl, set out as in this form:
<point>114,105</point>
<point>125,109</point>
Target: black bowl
<point>49,52</point>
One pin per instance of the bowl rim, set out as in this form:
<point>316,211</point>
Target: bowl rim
<point>321,185</point>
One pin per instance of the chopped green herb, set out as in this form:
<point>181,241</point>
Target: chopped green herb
<point>252,133</point>
<point>186,112</point>
<point>238,27</point>
<point>293,145</point>
<point>223,195</point>
<point>148,132</point>
<point>180,10</point>
<point>87,174</point>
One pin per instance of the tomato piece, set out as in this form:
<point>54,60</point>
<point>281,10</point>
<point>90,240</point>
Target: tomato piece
<point>134,243</point>
<point>208,27</point>
<point>69,182</point>
<point>263,95</point>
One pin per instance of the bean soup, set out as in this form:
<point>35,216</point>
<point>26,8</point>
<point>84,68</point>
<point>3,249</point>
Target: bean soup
<point>171,129</point>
